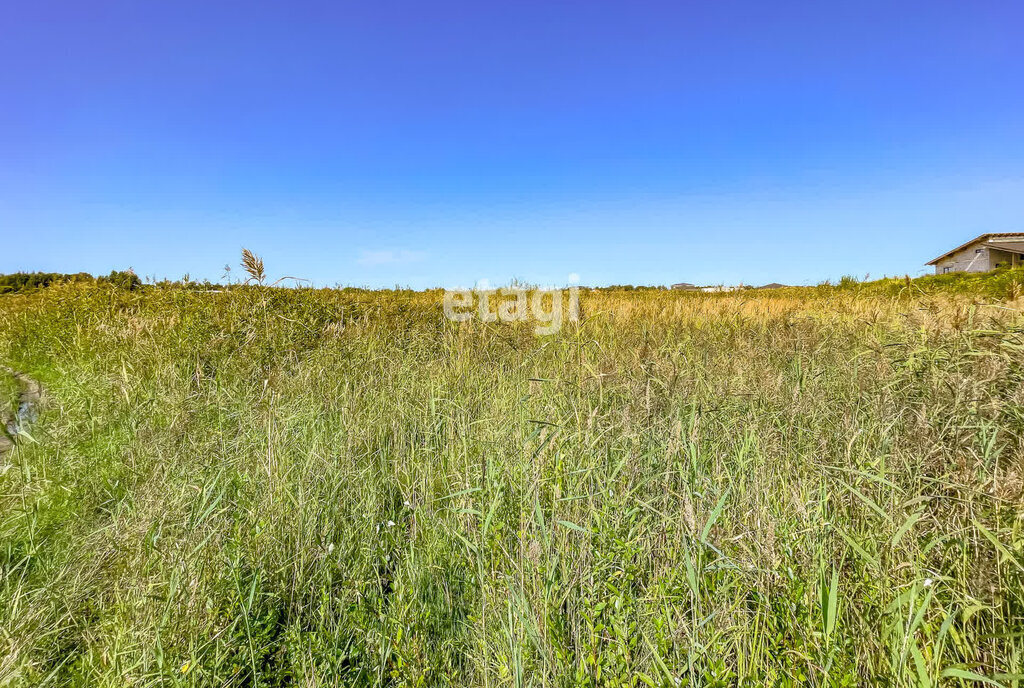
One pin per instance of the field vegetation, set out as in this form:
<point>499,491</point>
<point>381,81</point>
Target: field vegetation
<point>259,486</point>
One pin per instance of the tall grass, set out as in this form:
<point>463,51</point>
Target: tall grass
<point>318,487</point>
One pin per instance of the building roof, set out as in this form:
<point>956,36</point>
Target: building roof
<point>1011,246</point>
<point>993,238</point>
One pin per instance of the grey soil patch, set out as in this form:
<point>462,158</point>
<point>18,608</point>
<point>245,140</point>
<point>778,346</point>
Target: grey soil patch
<point>26,411</point>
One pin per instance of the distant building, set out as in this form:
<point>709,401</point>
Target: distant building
<point>719,288</point>
<point>981,254</point>
<point>713,289</point>
<point>772,285</point>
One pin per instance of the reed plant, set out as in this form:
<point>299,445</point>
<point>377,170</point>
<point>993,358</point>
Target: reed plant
<point>264,486</point>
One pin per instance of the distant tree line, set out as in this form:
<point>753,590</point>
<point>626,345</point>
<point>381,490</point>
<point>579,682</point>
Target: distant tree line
<point>30,281</point>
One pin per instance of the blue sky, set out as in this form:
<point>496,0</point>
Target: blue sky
<point>438,143</point>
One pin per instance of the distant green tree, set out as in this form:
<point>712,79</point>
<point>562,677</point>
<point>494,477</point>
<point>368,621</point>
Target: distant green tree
<point>19,282</point>
<point>122,279</point>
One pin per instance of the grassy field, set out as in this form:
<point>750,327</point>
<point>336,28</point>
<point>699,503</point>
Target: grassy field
<point>818,486</point>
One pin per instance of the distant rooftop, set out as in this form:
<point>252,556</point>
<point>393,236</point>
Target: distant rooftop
<point>1010,241</point>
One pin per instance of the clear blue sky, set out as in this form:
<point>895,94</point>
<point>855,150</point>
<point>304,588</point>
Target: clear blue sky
<point>437,143</point>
